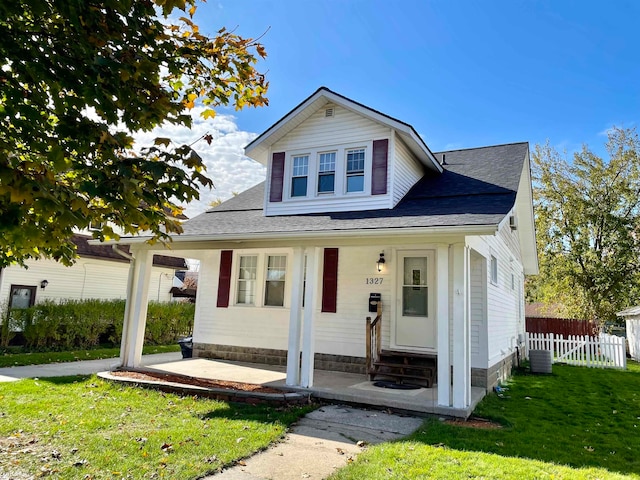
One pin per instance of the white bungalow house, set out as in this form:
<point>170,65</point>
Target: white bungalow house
<point>355,207</point>
<point>99,273</point>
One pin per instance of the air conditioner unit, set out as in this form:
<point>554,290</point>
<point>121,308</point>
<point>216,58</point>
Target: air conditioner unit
<point>513,223</point>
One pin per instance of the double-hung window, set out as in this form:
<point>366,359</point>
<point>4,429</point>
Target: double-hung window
<point>247,280</point>
<point>274,284</point>
<point>299,176</point>
<point>355,170</point>
<point>494,270</point>
<point>327,172</point>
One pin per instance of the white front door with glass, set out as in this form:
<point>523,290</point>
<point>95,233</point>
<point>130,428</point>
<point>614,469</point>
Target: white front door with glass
<point>415,326</point>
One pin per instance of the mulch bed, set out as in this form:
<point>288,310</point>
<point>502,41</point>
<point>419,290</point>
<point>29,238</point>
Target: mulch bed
<point>199,382</point>
<point>474,422</point>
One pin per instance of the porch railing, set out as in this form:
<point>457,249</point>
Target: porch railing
<point>374,338</point>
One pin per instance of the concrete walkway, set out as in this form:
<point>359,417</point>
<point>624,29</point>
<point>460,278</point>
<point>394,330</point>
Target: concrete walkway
<point>84,367</point>
<point>320,443</point>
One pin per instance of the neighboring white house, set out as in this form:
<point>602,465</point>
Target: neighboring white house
<point>632,323</point>
<point>99,273</point>
<point>288,267</point>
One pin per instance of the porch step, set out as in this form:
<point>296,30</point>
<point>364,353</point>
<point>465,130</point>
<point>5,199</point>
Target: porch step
<point>421,368</point>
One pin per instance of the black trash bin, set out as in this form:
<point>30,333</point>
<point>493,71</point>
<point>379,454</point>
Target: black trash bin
<point>186,346</point>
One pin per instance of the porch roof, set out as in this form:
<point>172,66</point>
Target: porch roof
<point>477,188</point>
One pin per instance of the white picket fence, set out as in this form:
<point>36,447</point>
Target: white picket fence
<point>603,351</point>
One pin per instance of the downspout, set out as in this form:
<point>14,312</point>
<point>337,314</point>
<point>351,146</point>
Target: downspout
<point>122,253</point>
<point>124,341</point>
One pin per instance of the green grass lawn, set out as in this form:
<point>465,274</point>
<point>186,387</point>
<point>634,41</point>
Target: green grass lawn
<point>86,428</point>
<point>14,357</point>
<point>576,423</point>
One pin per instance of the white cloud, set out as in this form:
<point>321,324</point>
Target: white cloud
<point>228,167</point>
<point>609,129</point>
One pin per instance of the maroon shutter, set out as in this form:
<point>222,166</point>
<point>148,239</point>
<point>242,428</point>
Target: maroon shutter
<point>379,172</point>
<point>330,280</point>
<point>277,177</point>
<point>224,280</point>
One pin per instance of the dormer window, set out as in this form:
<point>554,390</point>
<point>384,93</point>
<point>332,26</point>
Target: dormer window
<point>355,170</point>
<point>299,176</point>
<point>327,172</point>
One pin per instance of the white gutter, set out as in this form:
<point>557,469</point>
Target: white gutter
<point>380,232</point>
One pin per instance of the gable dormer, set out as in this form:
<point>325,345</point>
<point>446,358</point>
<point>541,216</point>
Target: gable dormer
<point>332,154</point>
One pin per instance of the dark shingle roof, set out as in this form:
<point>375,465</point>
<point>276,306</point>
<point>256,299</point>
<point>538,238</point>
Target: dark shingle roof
<point>478,187</point>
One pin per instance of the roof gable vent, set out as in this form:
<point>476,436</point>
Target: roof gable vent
<point>329,112</point>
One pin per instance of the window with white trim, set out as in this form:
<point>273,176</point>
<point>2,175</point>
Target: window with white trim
<point>355,170</point>
<point>299,176</point>
<point>327,172</point>
<point>494,270</point>
<point>274,282</point>
<point>246,292</point>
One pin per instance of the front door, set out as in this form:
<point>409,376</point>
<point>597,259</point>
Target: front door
<point>415,326</point>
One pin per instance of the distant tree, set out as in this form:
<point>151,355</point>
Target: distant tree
<point>77,78</point>
<point>218,200</point>
<point>588,228</point>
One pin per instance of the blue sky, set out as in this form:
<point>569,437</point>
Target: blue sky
<point>463,73</point>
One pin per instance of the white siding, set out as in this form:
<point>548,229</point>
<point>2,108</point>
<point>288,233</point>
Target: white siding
<point>340,333</point>
<point>407,170</point>
<point>633,336</point>
<point>87,278</point>
<point>345,129</point>
<point>343,333</point>
<point>238,325</point>
<point>477,312</point>
<point>505,320</point>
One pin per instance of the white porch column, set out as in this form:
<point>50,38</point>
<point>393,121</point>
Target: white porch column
<point>310,304</point>
<point>295,318</point>
<point>136,308</point>
<point>442,316</point>
<point>461,328</point>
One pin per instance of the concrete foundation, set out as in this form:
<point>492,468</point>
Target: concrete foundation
<point>490,377</point>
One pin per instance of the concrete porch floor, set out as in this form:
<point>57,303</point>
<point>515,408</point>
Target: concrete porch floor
<point>327,385</point>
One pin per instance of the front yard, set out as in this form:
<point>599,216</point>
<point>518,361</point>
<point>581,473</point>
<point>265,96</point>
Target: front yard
<point>86,428</point>
<point>576,423</point>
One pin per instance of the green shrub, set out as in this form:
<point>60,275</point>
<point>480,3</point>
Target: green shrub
<point>167,321</point>
<point>81,324</point>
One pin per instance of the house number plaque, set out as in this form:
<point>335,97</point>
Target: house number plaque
<point>374,280</point>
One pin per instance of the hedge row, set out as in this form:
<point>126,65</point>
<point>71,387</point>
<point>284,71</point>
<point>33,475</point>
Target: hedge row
<point>80,324</point>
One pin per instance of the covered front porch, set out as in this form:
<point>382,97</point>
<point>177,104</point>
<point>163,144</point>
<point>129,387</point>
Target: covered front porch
<point>301,329</point>
<point>328,385</point>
